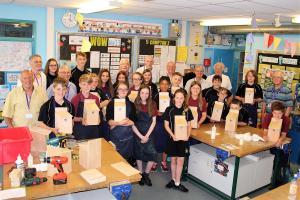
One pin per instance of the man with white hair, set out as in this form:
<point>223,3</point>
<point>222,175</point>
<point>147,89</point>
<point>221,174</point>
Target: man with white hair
<point>40,79</point>
<point>149,65</point>
<point>277,92</point>
<point>22,105</point>
<point>199,72</point>
<point>125,67</point>
<point>64,72</point>
<point>219,68</point>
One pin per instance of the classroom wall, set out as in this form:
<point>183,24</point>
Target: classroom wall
<point>37,14</point>
<point>259,45</point>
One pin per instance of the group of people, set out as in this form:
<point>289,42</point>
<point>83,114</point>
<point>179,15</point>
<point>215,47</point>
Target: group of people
<point>147,130</point>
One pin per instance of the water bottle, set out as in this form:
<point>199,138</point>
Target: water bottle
<point>293,188</point>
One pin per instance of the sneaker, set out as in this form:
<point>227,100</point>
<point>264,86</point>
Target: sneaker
<point>154,167</point>
<point>181,188</point>
<point>147,180</point>
<point>142,181</point>
<point>171,184</point>
<point>164,167</point>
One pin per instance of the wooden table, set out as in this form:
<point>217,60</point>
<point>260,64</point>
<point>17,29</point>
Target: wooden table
<point>229,138</point>
<point>75,182</point>
<point>279,193</point>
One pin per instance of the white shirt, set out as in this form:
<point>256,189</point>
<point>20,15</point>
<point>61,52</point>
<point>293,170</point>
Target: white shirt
<point>155,72</point>
<point>226,83</point>
<point>203,82</point>
<point>40,82</point>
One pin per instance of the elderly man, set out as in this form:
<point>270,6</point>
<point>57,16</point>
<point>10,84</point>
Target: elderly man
<point>199,72</point>
<point>40,79</point>
<point>170,70</point>
<point>219,67</point>
<point>22,105</point>
<point>65,73</point>
<point>125,67</point>
<point>149,65</point>
<point>277,92</point>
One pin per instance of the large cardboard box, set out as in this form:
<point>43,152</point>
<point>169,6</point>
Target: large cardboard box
<point>232,120</point>
<point>217,111</point>
<point>57,151</point>
<point>91,112</point>
<point>249,95</point>
<point>90,154</point>
<point>164,101</point>
<point>133,95</point>
<point>119,109</point>
<point>274,129</point>
<point>194,122</point>
<point>40,137</point>
<point>63,121</point>
<point>180,127</point>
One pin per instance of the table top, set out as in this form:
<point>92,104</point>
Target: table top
<point>279,193</point>
<point>75,182</point>
<point>229,138</point>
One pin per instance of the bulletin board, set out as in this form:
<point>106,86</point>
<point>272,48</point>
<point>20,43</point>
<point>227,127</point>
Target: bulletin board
<point>267,62</point>
<point>163,50</point>
<point>106,51</point>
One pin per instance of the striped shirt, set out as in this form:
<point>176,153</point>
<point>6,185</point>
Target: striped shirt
<point>283,94</point>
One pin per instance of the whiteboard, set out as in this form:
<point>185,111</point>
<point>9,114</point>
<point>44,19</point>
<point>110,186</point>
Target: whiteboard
<point>14,55</point>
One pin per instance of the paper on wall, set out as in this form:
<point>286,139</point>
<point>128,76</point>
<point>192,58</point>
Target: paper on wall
<point>95,59</point>
<point>76,40</point>
<point>73,57</point>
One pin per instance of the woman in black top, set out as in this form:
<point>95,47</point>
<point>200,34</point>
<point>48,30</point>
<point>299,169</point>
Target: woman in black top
<point>51,70</point>
<point>250,82</point>
<point>147,75</point>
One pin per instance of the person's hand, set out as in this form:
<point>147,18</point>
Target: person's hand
<point>174,138</point>
<point>278,143</point>
<point>144,139</point>
<point>83,122</point>
<point>243,100</point>
<point>186,139</point>
<point>212,121</point>
<point>55,130</point>
<point>265,137</point>
<point>129,122</point>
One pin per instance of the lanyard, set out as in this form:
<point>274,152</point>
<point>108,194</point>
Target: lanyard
<point>68,92</point>
<point>36,79</point>
<point>275,91</point>
<point>28,100</point>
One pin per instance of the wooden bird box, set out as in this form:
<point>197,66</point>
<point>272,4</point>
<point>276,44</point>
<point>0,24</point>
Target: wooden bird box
<point>57,151</point>
<point>97,95</point>
<point>63,121</point>
<point>232,120</point>
<point>274,129</point>
<point>164,101</point>
<point>180,127</point>
<point>91,112</point>
<point>194,122</point>
<point>133,95</point>
<point>119,109</point>
<point>90,154</point>
<point>249,95</point>
<point>217,111</point>
<point>40,137</point>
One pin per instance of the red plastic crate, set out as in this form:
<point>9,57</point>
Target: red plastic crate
<point>14,141</point>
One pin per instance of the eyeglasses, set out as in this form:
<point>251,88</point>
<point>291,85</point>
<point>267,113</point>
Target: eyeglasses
<point>136,79</point>
<point>122,89</point>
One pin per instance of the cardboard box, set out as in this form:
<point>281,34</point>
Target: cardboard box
<point>57,151</point>
<point>91,112</point>
<point>119,109</point>
<point>63,121</point>
<point>217,111</point>
<point>232,120</point>
<point>249,95</point>
<point>274,129</point>
<point>133,95</point>
<point>40,137</point>
<point>164,101</point>
<point>97,95</point>
<point>194,122</point>
<point>90,154</point>
<point>180,127</point>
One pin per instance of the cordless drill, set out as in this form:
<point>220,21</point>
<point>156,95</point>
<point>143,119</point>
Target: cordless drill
<point>33,181</point>
<point>60,177</point>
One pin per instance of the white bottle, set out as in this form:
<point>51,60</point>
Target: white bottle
<point>29,160</point>
<point>293,188</point>
<point>241,141</point>
<point>213,132</point>
<point>19,162</point>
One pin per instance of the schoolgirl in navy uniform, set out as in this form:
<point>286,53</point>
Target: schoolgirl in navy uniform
<point>177,149</point>
<point>144,149</point>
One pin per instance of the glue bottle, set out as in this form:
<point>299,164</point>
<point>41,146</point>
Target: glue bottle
<point>19,162</point>
<point>29,160</point>
<point>293,188</point>
<point>213,132</point>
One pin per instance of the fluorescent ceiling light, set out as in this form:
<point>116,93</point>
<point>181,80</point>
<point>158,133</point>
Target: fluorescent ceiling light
<point>296,19</point>
<point>226,22</point>
<point>97,6</point>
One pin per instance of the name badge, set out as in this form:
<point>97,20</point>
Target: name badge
<point>28,116</point>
